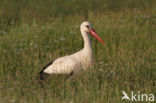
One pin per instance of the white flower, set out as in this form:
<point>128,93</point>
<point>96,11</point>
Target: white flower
<point>62,39</point>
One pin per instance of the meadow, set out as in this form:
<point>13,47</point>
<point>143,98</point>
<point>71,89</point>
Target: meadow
<point>35,32</point>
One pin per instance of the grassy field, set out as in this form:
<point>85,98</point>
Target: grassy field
<point>32,33</point>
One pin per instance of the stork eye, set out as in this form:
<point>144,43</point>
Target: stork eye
<point>87,26</point>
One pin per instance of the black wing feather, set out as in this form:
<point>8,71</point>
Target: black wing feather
<point>42,75</point>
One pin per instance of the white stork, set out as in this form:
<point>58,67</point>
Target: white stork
<point>76,62</point>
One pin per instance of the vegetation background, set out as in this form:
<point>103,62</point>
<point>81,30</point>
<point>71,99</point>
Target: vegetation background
<point>34,32</point>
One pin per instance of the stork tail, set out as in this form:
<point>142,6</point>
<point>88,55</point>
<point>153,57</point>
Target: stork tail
<point>42,74</point>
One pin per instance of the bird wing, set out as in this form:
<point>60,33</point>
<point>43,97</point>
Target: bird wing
<point>62,65</point>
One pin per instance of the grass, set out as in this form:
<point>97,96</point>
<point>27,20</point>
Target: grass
<point>28,42</point>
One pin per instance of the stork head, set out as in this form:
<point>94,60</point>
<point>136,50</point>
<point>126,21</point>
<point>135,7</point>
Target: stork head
<point>87,27</point>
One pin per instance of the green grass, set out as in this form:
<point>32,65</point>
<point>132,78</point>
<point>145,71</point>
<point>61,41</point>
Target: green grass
<point>28,42</point>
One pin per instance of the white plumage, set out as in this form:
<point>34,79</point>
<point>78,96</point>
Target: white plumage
<point>76,62</point>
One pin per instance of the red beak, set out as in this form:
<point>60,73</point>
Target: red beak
<point>92,31</point>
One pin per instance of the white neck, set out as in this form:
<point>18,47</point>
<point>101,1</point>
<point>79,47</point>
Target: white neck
<point>87,41</point>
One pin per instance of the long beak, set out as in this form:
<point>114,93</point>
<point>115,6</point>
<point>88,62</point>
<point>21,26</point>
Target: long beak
<point>92,31</point>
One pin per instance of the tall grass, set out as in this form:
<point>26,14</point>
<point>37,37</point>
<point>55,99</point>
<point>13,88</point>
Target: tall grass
<point>19,9</point>
<point>28,42</point>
